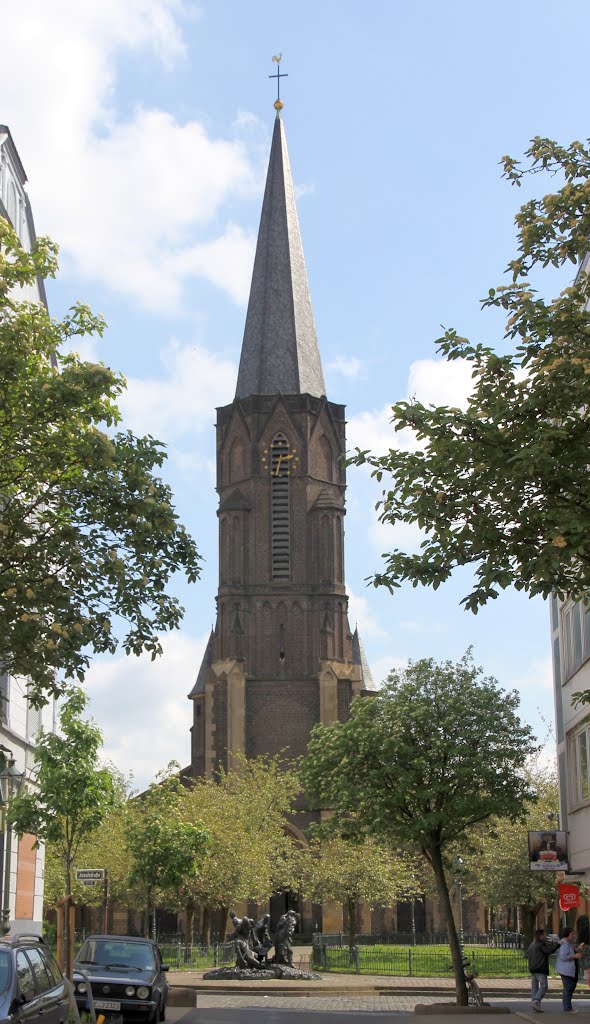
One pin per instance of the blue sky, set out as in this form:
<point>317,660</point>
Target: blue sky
<point>145,127</point>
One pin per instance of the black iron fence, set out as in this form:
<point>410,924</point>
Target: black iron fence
<point>495,939</point>
<point>196,957</point>
<point>426,961</point>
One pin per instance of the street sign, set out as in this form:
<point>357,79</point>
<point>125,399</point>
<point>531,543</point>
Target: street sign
<point>90,876</point>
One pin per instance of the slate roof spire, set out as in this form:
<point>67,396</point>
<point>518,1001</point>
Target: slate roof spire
<point>280,352</point>
<point>359,656</point>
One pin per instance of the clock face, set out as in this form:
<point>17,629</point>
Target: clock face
<point>280,460</point>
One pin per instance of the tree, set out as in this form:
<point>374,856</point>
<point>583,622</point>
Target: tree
<point>106,847</point>
<point>497,866</point>
<point>250,853</point>
<point>437,751</point>
<point>504,485</point>
<point>88,532</point>
<point>165,845</point>
<point>350,872</point>
<point>73,793</point>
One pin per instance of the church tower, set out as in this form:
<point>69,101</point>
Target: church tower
<point>281,656</point>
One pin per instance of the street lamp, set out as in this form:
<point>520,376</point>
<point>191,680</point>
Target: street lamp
<point>459,864</point>
<point>10,783</point>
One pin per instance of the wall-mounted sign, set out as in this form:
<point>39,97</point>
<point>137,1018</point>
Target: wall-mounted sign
<point>548,851</point>
<point>569,896</point>
<point>90,876</point>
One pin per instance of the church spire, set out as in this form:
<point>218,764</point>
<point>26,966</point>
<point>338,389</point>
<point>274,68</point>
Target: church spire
<point>280,352</point>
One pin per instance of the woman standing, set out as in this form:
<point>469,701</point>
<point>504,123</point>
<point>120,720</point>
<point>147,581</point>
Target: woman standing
<point>567,965</point>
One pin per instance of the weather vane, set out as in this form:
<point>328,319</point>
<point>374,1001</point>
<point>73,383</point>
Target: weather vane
<point>277,59</point>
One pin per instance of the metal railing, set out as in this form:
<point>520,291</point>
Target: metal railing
<point>419,961</point>
<point>495,940</point>
<point>181,957</point>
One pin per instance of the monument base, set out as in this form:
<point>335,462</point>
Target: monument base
<point>268,973</point>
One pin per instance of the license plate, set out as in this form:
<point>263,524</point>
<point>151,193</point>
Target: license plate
<point>106,1004</point>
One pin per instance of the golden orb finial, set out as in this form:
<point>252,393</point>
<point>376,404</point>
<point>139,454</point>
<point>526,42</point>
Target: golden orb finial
<point>278,104</point>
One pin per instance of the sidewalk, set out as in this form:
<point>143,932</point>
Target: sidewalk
<point>355,984</point>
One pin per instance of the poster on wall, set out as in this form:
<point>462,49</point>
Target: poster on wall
<point>548,851</point>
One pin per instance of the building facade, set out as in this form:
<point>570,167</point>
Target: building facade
<point>21,863</point>
<point>570,636</point>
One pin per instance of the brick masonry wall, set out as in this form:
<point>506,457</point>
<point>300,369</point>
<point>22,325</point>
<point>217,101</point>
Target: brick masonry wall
<point>280,716</point>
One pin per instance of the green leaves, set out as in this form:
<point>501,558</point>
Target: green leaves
<point>88,530</point>
<point>437,750</point>
<point>73,795</point>
<point>503,486</point>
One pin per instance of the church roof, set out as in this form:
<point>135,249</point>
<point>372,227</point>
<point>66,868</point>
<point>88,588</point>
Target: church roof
<point>280,352</point>
<point>199,686</point>
<point>360,658</point>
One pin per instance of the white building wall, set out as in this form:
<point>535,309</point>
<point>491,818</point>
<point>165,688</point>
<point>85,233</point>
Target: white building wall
<point>19,723</point>
<point>570,634</point>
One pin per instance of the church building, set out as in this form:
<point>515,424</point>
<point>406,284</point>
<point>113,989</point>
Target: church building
<point>282,655</point>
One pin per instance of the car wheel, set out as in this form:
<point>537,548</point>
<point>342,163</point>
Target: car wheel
<point>156,1016</point>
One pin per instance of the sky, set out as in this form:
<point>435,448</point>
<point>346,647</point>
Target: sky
<point>144,127</point>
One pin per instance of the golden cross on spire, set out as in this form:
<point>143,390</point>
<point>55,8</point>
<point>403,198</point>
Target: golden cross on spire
<point>278,102</point>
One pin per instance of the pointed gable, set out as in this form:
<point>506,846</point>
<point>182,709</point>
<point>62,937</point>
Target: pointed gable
<point>280,352</point>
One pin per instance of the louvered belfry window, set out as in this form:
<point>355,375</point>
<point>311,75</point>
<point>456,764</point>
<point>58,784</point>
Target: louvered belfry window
<point>280,469</point>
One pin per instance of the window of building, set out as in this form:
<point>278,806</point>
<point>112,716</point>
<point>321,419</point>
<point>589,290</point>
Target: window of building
<point>33,721</point>
<point>4,697</point>
<point>575,624</point>
<point>11,204</point>
<point>578,749</point>
<point>280,468</point>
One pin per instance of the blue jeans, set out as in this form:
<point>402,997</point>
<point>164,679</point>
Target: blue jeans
<point>569,985</point>
<point>538,987</point>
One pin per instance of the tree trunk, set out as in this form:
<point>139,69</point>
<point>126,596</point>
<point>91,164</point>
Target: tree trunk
<point>351,922</point>
<point>68,965</point>
<point>528,917</point>
<point>148,910</point>
<point>190,920</point>
<point>205,925</point>
<point>223,912</point>
<point>445,902</point>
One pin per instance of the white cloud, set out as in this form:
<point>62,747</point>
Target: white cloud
<point>131,197</point>
<point>303,190</point>
<point>348,367</point>
<point>440,382</point>
<point>412,626</point>
<point>381,668</point>
<point>539,677</point>
<point>181,402</point>
<point>360,614</point>
<point>430,381</point>
<point>386,536</point>
<point>142,707</point>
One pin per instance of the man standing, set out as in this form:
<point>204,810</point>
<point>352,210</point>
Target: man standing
<point>538,955</point>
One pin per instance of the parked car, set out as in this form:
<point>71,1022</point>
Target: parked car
<point>126,976</point>
<point>32,987</point>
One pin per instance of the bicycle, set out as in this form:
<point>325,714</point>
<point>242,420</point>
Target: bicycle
<point>474,993</point>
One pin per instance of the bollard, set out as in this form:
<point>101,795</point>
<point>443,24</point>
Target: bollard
<point>178,957</point>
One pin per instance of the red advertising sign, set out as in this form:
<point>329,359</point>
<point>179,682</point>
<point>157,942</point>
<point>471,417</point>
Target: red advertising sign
<point>569,895</point>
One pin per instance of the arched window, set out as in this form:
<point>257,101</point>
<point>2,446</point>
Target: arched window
<point>280,469</point>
